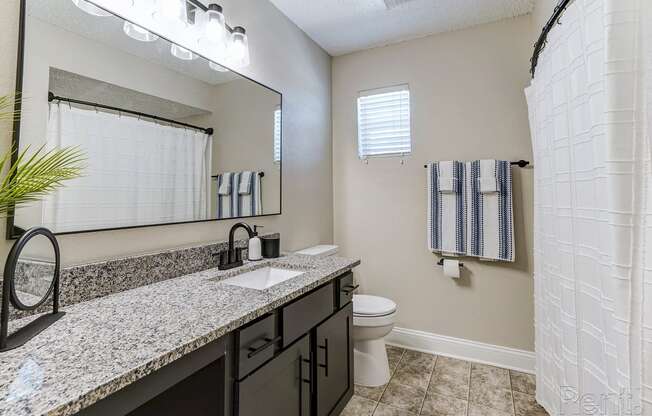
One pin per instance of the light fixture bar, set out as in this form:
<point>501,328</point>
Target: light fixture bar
<point>204,8</point>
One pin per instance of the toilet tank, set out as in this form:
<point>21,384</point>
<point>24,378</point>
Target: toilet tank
<point>319,251</point>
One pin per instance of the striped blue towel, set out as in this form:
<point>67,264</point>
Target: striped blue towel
<point>491,230</point>
<point>447,219</point>
<point>250,203</point>
<point>227,204</point>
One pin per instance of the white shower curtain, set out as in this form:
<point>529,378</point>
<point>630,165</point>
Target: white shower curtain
<point>588,107</point>
<point>139,172</point>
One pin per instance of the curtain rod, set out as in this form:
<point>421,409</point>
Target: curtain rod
<point>540,45</point>
<point>52,97</point>
<point>519,163</point>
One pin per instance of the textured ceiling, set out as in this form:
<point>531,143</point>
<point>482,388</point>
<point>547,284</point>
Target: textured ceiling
<point>343,26</point>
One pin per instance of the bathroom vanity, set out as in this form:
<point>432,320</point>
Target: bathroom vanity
<point>198,344</point>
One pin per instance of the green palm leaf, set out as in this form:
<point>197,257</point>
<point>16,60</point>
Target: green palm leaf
<point>29,178</point>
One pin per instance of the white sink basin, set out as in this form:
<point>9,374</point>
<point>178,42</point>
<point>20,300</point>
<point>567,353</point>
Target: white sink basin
<point>261,279</point>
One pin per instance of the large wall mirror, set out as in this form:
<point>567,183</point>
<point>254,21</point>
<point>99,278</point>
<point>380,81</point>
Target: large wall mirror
<point>169,136</point>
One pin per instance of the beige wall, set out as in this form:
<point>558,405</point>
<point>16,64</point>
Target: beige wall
<point>542,11</point>
<point>467,103</point>
<point>242,113</point>
<point>284,58</point>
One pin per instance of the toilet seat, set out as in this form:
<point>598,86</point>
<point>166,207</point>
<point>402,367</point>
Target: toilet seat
<point>372,306</point>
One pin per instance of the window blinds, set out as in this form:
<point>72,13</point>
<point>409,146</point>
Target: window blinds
<point>277,135</point>
<point>384,122</point>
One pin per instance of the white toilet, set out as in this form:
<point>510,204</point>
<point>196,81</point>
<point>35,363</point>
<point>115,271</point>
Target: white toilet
<point>373,319</point>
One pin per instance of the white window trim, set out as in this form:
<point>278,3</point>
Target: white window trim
<point>377,91</point>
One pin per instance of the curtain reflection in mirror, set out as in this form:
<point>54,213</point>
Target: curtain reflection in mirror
<point>139,172</point>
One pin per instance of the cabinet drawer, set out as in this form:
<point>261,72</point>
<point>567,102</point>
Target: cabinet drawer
<point>255,344</point>
<point>279,388</point>
<point>344,290</point>
<point>305,313</point>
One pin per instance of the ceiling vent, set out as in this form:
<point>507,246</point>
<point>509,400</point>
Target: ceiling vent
<point>393,4</point>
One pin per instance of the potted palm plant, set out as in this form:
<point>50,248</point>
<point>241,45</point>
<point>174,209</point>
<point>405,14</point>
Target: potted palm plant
<point>27,176</point>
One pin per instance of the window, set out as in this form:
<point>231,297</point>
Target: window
<point>277,135</point>
<point>384,122</point>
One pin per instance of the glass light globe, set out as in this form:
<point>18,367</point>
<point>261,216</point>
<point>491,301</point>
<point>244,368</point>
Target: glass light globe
<point>238,51</point>
<point>138,33</point>
<point>144,7</point>
<point>182,53</point>
<point>217,67</point>
<point>173,10</point>
<point>215,29</point>
<point>91,8</point>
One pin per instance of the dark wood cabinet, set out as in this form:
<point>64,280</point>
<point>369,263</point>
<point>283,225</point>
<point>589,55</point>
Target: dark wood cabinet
<point>334,357</point>
<point>294,361</point>
<point>311,374</point>
<point>280,387</point>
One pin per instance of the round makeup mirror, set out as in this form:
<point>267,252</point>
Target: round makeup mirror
<point>33,269</point>
<point>31,278</point>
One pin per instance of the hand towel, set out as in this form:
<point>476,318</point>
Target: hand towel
<point>245,183</point>
<point>447,210</point>
<point>488,184</point>
<point>491,222</point>
<point>447,185</point>
<point>251,203</point>
<point>227,203</point>
<point>225,184</point>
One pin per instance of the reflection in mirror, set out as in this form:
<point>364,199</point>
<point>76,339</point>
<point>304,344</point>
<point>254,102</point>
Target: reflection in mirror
<point>35,271</point>
<point>169,136</point>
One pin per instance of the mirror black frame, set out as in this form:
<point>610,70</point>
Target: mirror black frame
<point>22,335</point>
<point>14,232</point>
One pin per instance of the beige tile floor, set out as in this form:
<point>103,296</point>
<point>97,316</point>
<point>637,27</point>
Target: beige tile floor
<point>430,385</point>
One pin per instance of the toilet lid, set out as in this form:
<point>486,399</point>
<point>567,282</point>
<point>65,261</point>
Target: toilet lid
<point>367,305</point>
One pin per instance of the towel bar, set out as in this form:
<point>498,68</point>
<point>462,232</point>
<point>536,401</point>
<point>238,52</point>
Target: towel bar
<point>520,163</point>
<point>261,174</point>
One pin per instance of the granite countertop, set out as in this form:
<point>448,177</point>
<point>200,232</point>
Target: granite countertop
<point>103,345</point>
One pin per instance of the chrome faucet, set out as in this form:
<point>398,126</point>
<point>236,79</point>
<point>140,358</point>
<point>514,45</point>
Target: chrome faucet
<point>233,256</point>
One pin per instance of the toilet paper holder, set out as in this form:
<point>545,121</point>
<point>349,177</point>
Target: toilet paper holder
<point>441,263</point>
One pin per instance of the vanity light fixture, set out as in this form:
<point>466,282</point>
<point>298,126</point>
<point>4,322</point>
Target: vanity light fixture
<point>173,10</point>
<point>209,31</point>
<point>217,67</point>
<point>238,50</point>
<point>215,29</point>
<point>138,33</point>
<point>182,53</point>
<point>91,8</point>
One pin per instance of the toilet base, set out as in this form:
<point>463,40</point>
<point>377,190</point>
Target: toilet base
<point>371,364</point>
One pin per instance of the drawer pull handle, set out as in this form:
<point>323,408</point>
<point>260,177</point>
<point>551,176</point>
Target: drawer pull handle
<point>268,343</point>
<point>348,289</point>
<point>325,348</point>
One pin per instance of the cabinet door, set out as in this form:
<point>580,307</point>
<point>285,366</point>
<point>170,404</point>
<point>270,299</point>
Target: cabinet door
<point>334,356</point>
<point>279,388</point>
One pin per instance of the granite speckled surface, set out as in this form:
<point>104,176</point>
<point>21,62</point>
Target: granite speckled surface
<point>103,345</point>
<point>83,282</point>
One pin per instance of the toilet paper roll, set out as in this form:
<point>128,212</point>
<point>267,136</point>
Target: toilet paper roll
<point>452,268</point>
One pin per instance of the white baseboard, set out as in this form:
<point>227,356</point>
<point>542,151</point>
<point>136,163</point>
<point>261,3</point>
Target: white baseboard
<point>479,352</point>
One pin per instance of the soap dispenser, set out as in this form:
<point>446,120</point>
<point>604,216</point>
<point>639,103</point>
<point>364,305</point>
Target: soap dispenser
<point>255,251</point>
